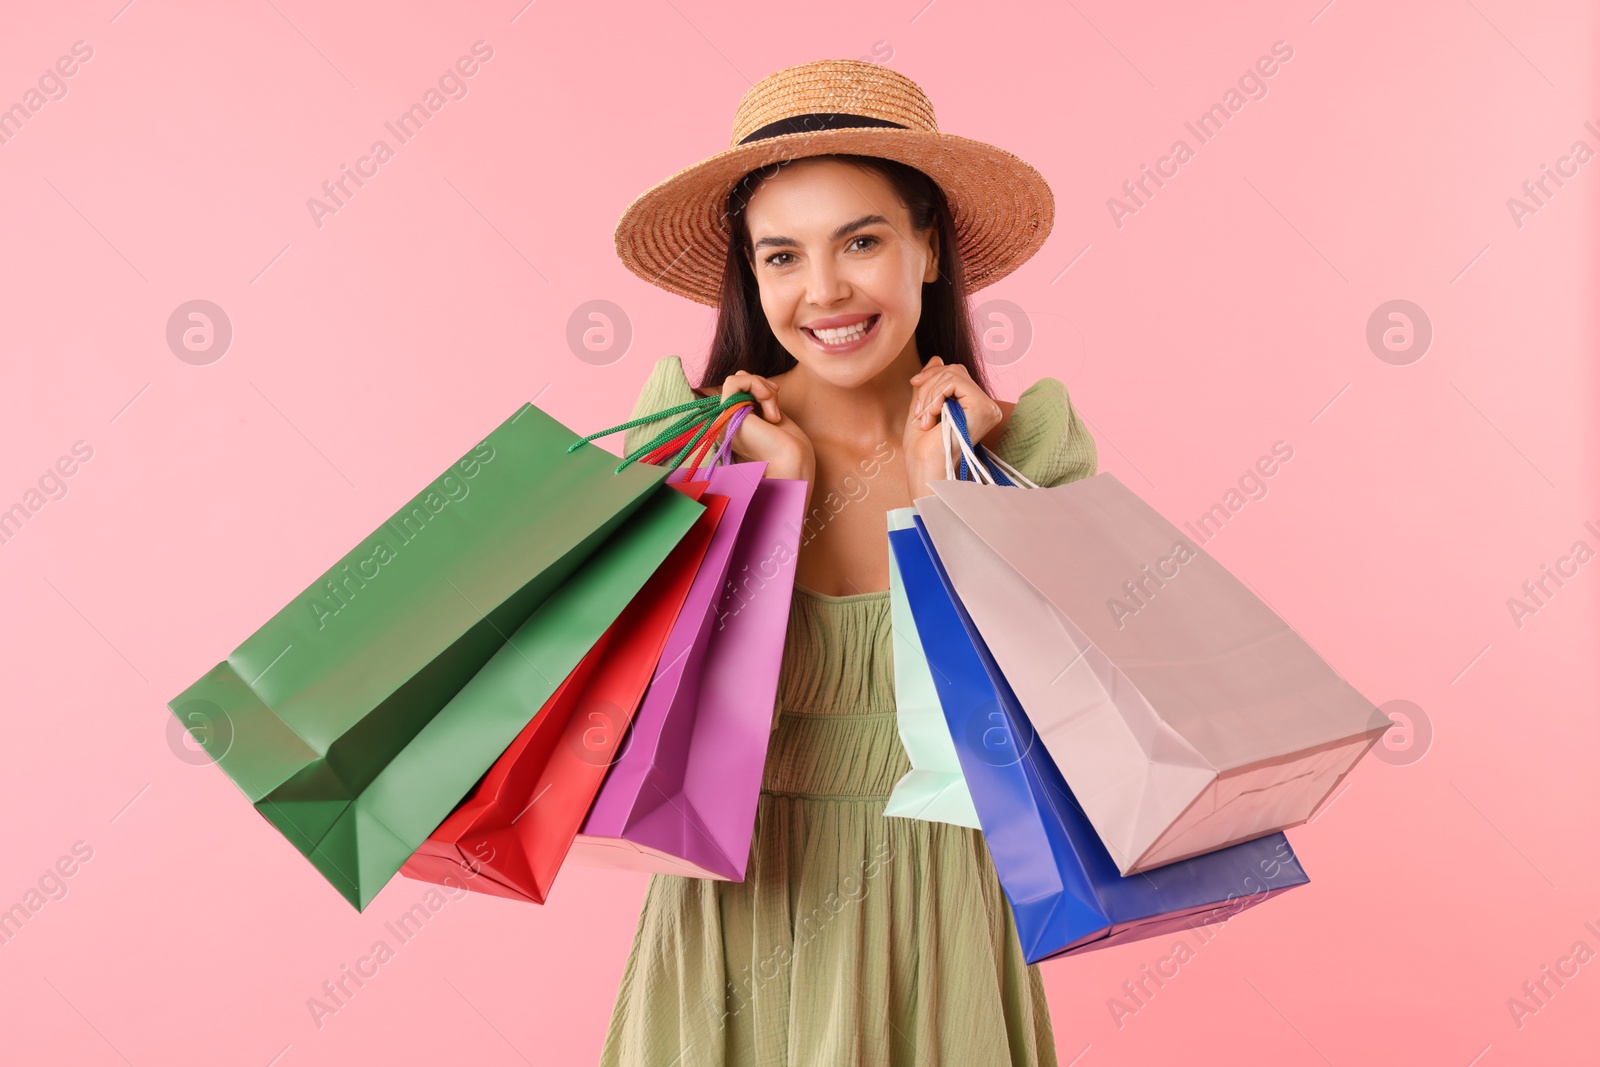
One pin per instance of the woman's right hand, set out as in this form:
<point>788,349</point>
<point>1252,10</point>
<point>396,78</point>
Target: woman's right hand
<point>774,436</point>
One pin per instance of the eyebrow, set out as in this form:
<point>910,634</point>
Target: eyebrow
<point>843,231</point>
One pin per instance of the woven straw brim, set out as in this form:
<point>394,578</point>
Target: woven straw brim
<point>675,235</point>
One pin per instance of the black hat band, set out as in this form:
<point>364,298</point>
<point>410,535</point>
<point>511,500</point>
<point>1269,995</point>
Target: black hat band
<point>816,122</point>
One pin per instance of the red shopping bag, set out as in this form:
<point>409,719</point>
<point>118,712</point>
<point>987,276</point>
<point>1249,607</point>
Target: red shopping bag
<point>509,837</point>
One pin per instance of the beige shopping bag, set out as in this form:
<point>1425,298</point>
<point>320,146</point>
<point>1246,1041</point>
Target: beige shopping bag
<point>1183,712</point>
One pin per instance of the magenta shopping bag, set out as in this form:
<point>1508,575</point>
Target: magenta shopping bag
<point>681,797</point>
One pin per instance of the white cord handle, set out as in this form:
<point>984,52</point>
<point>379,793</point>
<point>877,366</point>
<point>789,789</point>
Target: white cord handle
<point>954,438</point>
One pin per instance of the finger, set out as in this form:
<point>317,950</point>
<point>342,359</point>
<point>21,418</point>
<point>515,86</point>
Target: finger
<point>933,407</point>
<point>776,411</point>
<point>742,382</point>
<point>763,390</point>
<point>930,392</point>
<point>954,375</point>
<point>922,400</point>
<point>943,370</point>
<point>741,379</point>
<point>934,363</point>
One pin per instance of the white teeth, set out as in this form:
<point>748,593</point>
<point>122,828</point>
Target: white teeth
<point>844,335</point>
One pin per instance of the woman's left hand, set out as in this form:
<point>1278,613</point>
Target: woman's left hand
<point>924,440</point>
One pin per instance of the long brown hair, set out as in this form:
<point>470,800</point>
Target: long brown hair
<point>744,339</point>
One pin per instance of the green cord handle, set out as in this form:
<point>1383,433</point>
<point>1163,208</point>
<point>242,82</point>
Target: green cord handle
<point>678,426</point>
<point>705,418</point>
<point>693,412</point>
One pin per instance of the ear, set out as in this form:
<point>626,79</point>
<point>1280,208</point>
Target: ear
<point>932,273</point>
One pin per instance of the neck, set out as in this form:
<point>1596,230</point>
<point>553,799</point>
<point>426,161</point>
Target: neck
<point>859,415</point>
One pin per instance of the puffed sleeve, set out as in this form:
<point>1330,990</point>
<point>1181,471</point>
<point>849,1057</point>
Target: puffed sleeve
<point>666,387</point>
<point>1045,437</point>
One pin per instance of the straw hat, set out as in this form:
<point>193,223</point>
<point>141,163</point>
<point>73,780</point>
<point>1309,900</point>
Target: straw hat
<point>676,234</point>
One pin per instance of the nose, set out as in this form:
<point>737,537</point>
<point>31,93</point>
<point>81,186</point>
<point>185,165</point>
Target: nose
<point>825,284</point>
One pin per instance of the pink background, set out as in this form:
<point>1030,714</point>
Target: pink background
<point>1228,313</point>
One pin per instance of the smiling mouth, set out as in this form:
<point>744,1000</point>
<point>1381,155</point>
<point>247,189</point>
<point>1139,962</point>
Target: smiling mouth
<point>843,336</point>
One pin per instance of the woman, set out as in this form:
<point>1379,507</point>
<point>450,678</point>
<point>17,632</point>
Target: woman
<point>853,232</point>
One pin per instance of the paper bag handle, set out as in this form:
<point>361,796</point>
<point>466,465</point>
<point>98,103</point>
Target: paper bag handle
<point>953,423</point>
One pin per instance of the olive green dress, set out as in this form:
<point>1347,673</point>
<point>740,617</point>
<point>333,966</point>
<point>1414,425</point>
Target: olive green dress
<point>855,940</point>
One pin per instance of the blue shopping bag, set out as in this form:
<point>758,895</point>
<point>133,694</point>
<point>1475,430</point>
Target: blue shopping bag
<point>1066,893</point>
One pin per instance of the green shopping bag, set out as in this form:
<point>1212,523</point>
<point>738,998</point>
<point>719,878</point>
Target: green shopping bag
<point>933,789</point>
<point>348,719</point>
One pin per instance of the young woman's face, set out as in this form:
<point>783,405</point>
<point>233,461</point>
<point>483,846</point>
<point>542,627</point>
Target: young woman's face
<point>839,267</point>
